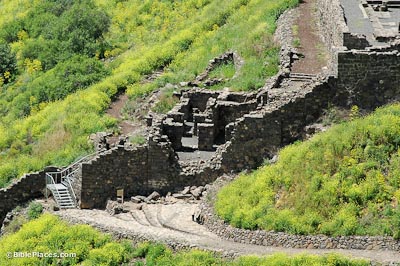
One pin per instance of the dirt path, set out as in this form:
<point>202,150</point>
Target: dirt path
<point>115,110</point>
<point>166,223</point>
<point>308,40</point>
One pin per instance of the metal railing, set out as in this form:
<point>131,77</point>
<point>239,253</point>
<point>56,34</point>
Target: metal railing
<point>67,175</point>
<point>72,168</point>
<point>50,181</point>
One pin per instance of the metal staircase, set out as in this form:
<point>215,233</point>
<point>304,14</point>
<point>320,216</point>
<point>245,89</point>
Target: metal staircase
<point>60,183</point>
<point>62,196</point>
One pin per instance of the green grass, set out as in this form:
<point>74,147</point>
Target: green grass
<point>225,71</point>
<point>48,234</point>
<point>165,102</point>
<point>50,106</point>
<point>345,181</point>
<point>296,42</point>
<point>137,139</point>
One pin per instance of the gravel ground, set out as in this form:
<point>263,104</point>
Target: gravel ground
<point>173,222</point>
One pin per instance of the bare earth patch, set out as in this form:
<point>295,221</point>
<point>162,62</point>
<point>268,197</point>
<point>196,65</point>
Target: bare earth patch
<point>308,41</point>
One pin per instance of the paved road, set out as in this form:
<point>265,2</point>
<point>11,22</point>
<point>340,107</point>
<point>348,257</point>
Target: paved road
<point>356,21</point>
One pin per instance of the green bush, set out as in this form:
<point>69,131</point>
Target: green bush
<point>137,139</point>
<point>34,210</point>
<point>8,63</point>
<point>49,234</point>
<point>74,74</point>
<point>341,182</point>
<point>159,255</point>
<point>56,30</point>
<point>225,71</point>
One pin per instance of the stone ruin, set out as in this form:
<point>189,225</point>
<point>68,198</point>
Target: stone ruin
<point>203,120</point>
<point>209,133</point>
<point>203,79</point>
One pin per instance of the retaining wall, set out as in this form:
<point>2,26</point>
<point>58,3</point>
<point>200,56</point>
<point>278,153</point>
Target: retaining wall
<point>138,170</point>
<point>259,135</point>
<point>29,187</point>
<point>278,239</point>
<point>332,21</point>
<point>369,78</point>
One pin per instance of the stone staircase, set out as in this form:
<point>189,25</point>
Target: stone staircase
<point>166,217</point>
<point>301,77</point>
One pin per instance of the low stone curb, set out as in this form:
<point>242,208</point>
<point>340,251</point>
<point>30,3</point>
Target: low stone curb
<point>278,239</point>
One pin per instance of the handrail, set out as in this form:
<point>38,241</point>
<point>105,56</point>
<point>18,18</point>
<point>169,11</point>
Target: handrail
<point>51,179</point>
<point>73,192</point>
<point>74,164</point>
<point>79,161</point>
<point>65,175</point>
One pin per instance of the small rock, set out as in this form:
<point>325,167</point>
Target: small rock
<point>274,159</point>
<point>137,207</point>
<point>136,200</point>
<point>153,196</point>
<point>196,193</point>
<point>171,199</point>
<point>143,198</point>
<point>169,86</point>
<point>181,196</point>
<point>186,190</point>
<point>114,207</point>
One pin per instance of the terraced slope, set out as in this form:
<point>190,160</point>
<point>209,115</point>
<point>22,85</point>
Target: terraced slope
<point>345,181</point>
<point>60,77</point>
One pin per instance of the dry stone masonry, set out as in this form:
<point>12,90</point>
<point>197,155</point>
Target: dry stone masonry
<point>209,133</point>
<point>29,187</point>
<point>279,239</point>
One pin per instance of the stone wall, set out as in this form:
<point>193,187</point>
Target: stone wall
<point>138,170</point>
<point>332,25</point>
<point>355,41</point>
<point>260,134</point>
<point>369,78</point>
<point>227,112</point>
<point>332,22</point>
<point>29,187</point>
<point>279,239</point>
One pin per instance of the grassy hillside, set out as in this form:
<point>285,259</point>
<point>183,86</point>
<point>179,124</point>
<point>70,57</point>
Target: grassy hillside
<point>345,181</point>
<point>61,62</point>
<point>48,234</point>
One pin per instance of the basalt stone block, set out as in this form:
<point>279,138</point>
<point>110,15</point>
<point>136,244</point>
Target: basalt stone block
<point>174,131</point>
<point>205,133</point>
<point>198,118</point>
<point>176,116</point>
